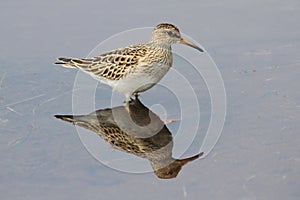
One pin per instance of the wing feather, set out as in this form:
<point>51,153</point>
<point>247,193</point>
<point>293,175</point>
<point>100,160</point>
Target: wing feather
<point>112,65</point>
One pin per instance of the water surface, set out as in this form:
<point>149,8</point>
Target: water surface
<point>255,44</point>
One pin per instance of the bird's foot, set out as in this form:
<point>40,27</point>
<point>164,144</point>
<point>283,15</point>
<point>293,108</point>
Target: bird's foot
<point>128,100</point>
<point>169,121</point>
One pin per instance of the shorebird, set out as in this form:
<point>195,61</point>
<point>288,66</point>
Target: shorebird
<point>136,68</point>
<point>140,132</point>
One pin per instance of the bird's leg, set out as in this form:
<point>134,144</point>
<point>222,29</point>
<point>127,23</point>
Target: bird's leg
<point>136,95</point>
<point>128,99</point>
<point>127,107</point>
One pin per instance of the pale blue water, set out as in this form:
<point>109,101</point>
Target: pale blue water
<point>256,47</point>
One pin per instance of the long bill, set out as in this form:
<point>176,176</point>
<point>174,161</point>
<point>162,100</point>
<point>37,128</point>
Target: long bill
<point>189,43</point>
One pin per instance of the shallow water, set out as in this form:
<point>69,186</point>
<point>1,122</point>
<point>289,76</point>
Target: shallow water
<point>255,45</point>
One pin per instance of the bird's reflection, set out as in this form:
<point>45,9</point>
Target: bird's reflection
<point>136,130</point>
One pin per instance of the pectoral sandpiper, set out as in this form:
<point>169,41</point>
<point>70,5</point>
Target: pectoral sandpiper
<point>135,68</point>
<point>140,132</point>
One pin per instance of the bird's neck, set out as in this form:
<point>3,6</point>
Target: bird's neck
<point>160,44</point>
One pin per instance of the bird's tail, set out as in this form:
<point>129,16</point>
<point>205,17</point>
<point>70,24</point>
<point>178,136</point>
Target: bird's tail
<point>73,62</point>
<point>77,119</point>
<point>68,118</point>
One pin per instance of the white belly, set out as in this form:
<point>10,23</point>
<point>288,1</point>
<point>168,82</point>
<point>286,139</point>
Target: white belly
<point>139,80</point>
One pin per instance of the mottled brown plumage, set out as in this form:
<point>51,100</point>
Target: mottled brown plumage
<point>112,65</point>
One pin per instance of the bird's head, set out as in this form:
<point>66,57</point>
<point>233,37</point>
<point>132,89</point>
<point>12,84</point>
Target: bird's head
<point>170,34</point>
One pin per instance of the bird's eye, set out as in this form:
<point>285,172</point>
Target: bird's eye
<point>170,33</point>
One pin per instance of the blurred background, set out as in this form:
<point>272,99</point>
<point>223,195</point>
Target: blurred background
<point>256,47</point>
